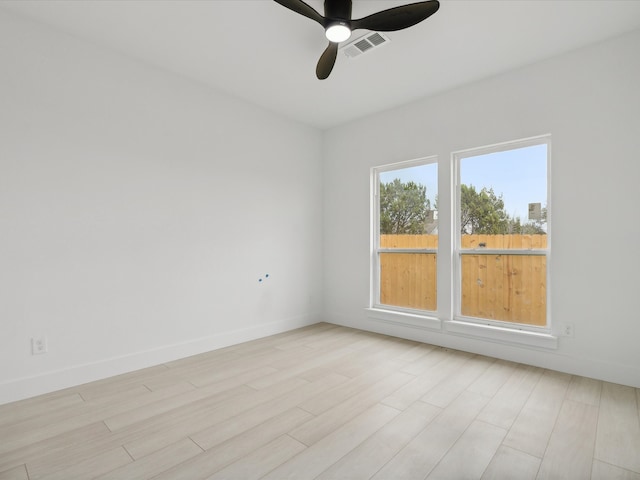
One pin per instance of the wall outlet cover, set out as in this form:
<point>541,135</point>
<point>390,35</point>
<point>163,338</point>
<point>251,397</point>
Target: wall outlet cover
<point>566,329</point>
<point>38,345</point>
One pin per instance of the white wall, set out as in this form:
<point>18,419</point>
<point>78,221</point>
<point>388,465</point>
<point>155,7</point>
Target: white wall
<point>589,101</point>
<point>138,211</point>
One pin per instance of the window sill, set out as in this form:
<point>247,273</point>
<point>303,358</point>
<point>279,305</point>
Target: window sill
<point>468,329</point>
<point>404,319</point>
<point>502,335</point>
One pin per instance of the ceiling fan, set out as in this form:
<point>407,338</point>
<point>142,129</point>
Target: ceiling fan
<point>338,24</point>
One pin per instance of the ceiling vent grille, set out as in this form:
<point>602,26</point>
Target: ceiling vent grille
<point>364,44</point>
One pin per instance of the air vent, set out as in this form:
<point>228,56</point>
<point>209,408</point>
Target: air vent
<point>365,44</point>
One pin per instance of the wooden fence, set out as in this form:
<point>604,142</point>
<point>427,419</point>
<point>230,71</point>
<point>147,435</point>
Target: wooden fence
<point>510,288</point>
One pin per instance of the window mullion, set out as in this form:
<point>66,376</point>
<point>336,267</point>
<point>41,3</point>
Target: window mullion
<point>407,250</point>
<point>496,251</point>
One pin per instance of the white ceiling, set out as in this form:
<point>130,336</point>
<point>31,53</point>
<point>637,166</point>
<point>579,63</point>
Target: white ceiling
<point>266,54</point>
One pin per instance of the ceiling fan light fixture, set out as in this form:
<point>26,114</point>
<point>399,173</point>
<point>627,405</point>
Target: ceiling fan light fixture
<point>338,23</point>
<point>338,32</point>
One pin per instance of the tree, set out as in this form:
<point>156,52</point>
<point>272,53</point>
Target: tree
<point>403,207</point>
<point>482,212</point>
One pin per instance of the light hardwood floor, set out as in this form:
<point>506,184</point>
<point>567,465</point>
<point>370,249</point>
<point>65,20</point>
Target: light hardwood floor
<point>328,402</point>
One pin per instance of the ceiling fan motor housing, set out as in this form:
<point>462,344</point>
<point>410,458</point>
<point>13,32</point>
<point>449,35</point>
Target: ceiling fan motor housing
<point>337,11</point>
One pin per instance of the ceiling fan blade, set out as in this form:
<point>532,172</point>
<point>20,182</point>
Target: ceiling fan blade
<point>302,8</point>
<point>327,61</point>
<point>397,18</point>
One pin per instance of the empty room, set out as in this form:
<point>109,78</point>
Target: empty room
<point>368,239</point>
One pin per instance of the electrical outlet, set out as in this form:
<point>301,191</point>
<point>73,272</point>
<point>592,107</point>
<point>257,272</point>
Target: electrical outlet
<point>38,345</point>
<point>566,329</point>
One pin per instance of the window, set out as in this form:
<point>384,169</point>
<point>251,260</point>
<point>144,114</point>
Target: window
<point>405,236</point>
<point>502,235</point>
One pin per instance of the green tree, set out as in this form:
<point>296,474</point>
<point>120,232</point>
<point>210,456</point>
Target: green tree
<point>403,207</point>
<point>482,212</point>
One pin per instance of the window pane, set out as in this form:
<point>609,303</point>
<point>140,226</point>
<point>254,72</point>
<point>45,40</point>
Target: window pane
<point>503,199</point>
<point>408,280</point>
<point>509,288</point>
<point>408,219</point>
<point>409,200</point>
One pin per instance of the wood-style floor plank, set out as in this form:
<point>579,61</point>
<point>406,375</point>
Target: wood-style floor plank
<point>120,383</point>
<point>510,463</point>
<point>336,396</point>
<point>324,424</point>
<point>570,450</point>
<point>17,473</point>
<point>585,390</point>
<point>457,381</point>
<point>235,425</point>
<point>605,471</point>
<point>471,454</point>
<point>215,459</point>
<point>203,417</point>
<point>493,378</point>
<point>20,411</point>
<point>53,447</point>
<point>101,463</point>
<point>322,454</point>
<point>259,463</point>
<point>426,362</point>
<point>531,431</point>
<point>155,463</point>
<point>148,410</point>
<point>618,438</point>
<point>372,454</point>
<point>505,406</point>
<point>51,424</point>
<point>441,364</point>
<point>424,452</point>
<point>326,402</point>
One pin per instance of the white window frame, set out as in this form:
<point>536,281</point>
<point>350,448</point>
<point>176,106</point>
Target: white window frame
<point>390,313</point>
<point>510,332</point>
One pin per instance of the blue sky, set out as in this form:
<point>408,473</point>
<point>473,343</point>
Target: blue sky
<point>520,175</point>
<point>423,174</point>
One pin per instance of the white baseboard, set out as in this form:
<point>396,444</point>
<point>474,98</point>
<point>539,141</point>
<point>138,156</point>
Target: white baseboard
<point>553,360</point>
<point>79,374</point>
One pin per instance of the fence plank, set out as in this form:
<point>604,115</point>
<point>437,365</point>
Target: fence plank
<point>409,241</point>
<point>510,288</point>
<point>408,280</point>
